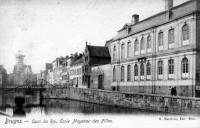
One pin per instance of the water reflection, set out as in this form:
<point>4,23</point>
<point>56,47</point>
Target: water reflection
<point>33,103</point>
<point>19,110</point>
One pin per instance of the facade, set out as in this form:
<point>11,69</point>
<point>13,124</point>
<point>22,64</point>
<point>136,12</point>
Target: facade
<point>101,77</point>
<point>159,52</point>
<point>66,72</point>
<point>94,56</point>
<point>76,75</point>
<point>41,77</point>
<point>57,70</point>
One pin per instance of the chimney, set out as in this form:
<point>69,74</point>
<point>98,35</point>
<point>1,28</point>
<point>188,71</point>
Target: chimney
<point>135,18</point>
<point>168,4</point>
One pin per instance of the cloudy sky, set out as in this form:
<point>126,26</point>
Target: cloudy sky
<point>46,29</point>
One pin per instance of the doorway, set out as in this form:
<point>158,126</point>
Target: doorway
<point>100,82</point>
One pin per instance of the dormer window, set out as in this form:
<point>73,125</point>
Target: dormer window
<point>129,30</point>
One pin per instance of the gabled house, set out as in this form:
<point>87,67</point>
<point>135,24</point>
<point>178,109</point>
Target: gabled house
<point>94,56</point>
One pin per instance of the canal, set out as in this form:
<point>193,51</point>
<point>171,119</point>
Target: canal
<point>33,105</point>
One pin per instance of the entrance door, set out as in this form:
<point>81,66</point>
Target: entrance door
<point>100,82</point>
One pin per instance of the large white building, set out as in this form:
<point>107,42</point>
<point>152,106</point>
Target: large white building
<point>151,55</point>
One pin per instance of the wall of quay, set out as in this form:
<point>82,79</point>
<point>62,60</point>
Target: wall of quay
<point>157,103</point>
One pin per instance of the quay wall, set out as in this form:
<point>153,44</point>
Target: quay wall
<point>158,103</point>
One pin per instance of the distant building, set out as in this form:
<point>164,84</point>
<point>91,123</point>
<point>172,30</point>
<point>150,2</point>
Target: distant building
<point>22,74</point>
<point>3,77</point>
<point>65,72</point>
<point>94,56</point>
<point>159,52</point>
<point>57,65</point>
<point>49,73</point>
<point>41,77</point>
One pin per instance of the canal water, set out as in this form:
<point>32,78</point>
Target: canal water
<point>34,105</point>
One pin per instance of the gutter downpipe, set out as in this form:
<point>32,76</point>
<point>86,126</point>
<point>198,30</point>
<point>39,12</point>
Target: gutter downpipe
<point>118,62</point>
<point>154,58</point>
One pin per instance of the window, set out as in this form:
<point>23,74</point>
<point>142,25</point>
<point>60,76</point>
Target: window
<point>129,73</point>
<point>148,68</point>
<point>142,69</point>
<point>184,67</point>
<point>135,70</point>
<point>160,39</point>
<point>148,43</point>
<point>136,47</point>
<point>129,49</point>
<point>114,75</point>
<point>142,44</point>
<point>185,34</point>
<point>122,73</point>
<point>171,66</point>
<point>129,30</point>
<point>171,38</point>
<point>114,53</point>
<point>122,51</point>
<point>160,67</point>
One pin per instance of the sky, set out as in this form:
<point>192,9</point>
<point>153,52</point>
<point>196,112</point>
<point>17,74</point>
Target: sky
<point>46,29</point>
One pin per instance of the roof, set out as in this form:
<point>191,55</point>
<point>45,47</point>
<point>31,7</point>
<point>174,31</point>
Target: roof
<point>78,61</point>
<point>98,51</point>
<point>161,18</point>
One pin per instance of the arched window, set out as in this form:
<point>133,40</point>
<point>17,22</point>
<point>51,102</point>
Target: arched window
<point>160,38</point>
<point>114,74</point>
<point>142,69</point>
<point>148,68</point>
<point>122,73</point>
<point>114,53</point>
<point>122,51</point>
<point>185,32</point>
<point>160,67</point>
<point>136,47</point>
<point>184,66</point>
<point>129,73</point>
<point>149,42</point>
<point>129,49</point>
<point>135,70</point>
<point>171,66</point>
<point>142,44</point>
<point>171,36</point>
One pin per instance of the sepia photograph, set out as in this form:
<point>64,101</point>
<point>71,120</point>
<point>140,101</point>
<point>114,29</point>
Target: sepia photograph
<point>99,63</point>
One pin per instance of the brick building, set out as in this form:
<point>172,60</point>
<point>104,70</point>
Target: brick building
<point>161,51</point>
<point>94,56</point>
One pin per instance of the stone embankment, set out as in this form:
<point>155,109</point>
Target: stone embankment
<point>158,103</point>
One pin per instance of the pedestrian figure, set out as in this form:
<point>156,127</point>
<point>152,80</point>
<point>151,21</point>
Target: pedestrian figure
<point>171,90</point>
<point>175,92</point>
